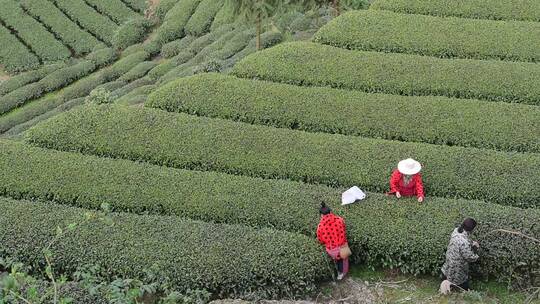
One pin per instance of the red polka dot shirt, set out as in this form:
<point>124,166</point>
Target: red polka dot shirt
<point>332,231</point>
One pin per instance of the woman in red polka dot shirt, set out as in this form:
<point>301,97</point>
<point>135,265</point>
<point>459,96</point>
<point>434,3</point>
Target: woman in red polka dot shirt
<point>331,232</point>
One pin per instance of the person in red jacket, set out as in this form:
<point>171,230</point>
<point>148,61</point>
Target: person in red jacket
<point>332,233</point>
<point>406,180</point>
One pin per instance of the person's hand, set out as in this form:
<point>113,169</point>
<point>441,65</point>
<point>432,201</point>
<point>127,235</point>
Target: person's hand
<point>475,244</point>
<point>420,199</point>
<point>398,195</point>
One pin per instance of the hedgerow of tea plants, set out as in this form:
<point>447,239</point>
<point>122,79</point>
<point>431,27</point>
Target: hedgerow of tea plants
<point>131,32</point>
<point>14,56</point>
<point>310,64</point>
<point>407,118</point>
<point>43,43</point>
<point>202,18</point>
<point>115,9</point>
<point>97,24</point>
<point>25,78</point>
<point>33,109</point>
<point>80,41</point>
<point>181,141</point>
<point>187,254</point>
<point>138,71</point>
<point>172,48</point>
<point>433,36</point>
<point>375,236</point>
<point>175,21</point>
<point>526,10</point>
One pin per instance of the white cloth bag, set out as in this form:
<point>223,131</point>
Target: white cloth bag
<point>352,195</point>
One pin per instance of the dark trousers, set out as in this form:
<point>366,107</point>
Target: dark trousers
<point>339,264</point>
<point>465,285</point>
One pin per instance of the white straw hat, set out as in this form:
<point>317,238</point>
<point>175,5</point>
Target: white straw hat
<point>409,166</point>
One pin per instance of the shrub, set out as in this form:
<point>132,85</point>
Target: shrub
<point>212,65</point>
<point>202,18</point>
<point>301,23</point>
<point>99,96</point>
<point>23,79</point>
<point>164,7</point>
<point>136,96</point>
<point>100,26</point>
<point>137,5</point>
<point>432,36</point>
<point>505,178</point>
<point>224,16</point>
<point>187,254</point>
<point>14,56</point>
<point>115,9</point>
<point>62,77</point>
<point>181,58</point>
<point>131,32</point>
<point>20,96</point>
<point>237,43</point>
<point>319,65</point>
<point>131,86</point>
<point>527,10</point>
<point>124,65</point>
<point>80,41</point>
<point>138,71</point>
<point>153,48</point>
<point>200,43</point>
<point>103,56</point>
<point>172,48</point>
<point>112,85</point>
<point>133,49</point>
<point>381,232</point>
<point>83,87</point>
<point>356,113</point>
<point>161,69</point>
<point>33,33</point>
<point>28,111</point>
<point>175,21</point>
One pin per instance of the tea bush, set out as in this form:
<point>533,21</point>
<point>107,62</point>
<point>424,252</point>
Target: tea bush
<point>304,63</point>
<point>138,71</point>
<point>130,32</point>
<point>33,33</point>
<point>202,18</point>
<point>14,56</point>
<point>25,78</point>
<point>172,48</point>
<point>374,233</point>
<point>184,141</point>
<point>313,109</point>
<point>223,259</point>
<point>175,21</point>
<point>526,10</point>
<point>115,9</point>
<point>433,36</point>
<point>100,26</point>
<point>80,41</point>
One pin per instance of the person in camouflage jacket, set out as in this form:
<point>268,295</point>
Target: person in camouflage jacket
<point>460,252</point>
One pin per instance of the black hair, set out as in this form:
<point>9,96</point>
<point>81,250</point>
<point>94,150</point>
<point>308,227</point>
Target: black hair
<point>324,210</point>
<point>467,225</point>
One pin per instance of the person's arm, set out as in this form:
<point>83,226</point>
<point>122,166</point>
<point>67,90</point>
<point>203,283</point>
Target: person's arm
<point>394,181</point>
<point>320,236</point>
<point>467,253</point>
<point>419,186</point>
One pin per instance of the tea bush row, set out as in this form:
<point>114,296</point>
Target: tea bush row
<point>80,41</point>
<point>433,36</point>
<point>35,35</point>
<point>526,10</point>
<point>25,78</point>
<point>311,64</point>
<point>115,9</point>
<point>184,141</point>
<point>137,5</point>
<point>381,230</point>
<point>85,16</point>
<point>230,261</point>
<point>177,17</point>
<point>15,56</point>
<point>57,79</point>
<point>202,18</point>
<point>406,118</point>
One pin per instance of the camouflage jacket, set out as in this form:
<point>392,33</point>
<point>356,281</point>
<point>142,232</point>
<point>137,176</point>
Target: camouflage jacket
<point>458,256</point>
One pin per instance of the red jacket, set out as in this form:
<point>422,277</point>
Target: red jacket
<point>332,231</point>
<point>415,186</point>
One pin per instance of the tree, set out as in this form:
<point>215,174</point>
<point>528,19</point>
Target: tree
<point>256,11</point>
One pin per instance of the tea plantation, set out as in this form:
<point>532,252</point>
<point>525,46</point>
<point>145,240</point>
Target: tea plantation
<point>213,157</point>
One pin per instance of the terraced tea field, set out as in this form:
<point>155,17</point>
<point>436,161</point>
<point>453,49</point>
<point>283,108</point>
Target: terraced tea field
<point>214,179</point>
